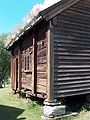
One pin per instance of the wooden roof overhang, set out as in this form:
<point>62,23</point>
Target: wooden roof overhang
<point>46,14</point>
<point>23,32</point>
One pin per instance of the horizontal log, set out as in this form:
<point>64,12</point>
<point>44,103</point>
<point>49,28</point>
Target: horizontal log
<point>77,15</point>
<point>72,26</point>
<point>71,90</point>
<point>71,74</point>
<point>71,43</point>
<point>71,35</point>
<point>41,75</point>
<point>69,87</point>
<point>41,89</point>
<point>70,82</point>
<point>73,23</point>
<point>71,78</point>
<point>26,85</point>
<point>60,95</point>
<point>71,71</point>
<point>41,68</point>
<point>72,30</point>
<point>41,82</point>
<point>41,53</point>
<point>85,4</point>
<point>71,39</point>
<point>42,60</point>
<point>25,80</point>
<point>70,62</point>
<point>71,17</point>
<point>80,10</point>
<point>71,57</point>
<point>68,49</point>
<point>71,54</point>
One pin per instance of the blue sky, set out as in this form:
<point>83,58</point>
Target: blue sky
<point>13,11</point>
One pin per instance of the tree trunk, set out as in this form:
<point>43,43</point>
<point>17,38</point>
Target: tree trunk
<point>4,83</point>
<point>0,84</point>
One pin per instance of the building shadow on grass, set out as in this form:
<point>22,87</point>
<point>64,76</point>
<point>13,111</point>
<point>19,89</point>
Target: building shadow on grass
<point>10,113</point>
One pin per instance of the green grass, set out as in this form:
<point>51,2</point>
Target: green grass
<point>82,115</point>
<point>14,108</point>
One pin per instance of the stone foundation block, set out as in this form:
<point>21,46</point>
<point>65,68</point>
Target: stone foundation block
<point>54,111</point>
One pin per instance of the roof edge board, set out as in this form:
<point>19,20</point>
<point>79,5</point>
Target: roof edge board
<point>61,9</point>
<point>23,32</point>
<point>46,14</point>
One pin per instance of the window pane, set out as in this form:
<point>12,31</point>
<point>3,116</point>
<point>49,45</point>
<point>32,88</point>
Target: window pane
<point>27,62</point>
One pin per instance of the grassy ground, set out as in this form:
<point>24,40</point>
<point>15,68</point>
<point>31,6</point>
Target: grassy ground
<point>83,115</point>
<point>14,108</point>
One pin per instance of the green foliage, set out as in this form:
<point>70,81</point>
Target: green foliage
<point>35,108</point>
<point>33,105</point>
<point>4,59</point>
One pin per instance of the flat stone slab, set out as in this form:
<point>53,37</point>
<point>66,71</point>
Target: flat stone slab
<point>60,117</point>
<point>54,111</point>
<point>52,103</point>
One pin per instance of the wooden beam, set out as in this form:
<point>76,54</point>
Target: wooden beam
<point>15,88</point>
<point>34,65</point>
<point>19,64</point>
<point>12,73</point>
<point>50,63</point>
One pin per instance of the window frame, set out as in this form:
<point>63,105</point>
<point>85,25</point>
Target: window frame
<point>27,63</point>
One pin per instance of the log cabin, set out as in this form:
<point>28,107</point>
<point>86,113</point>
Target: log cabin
<point>51,57</point>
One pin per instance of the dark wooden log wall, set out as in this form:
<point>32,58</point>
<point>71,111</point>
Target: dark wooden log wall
<point>27,43</point>
<point>41,59</point>
<point>25,46</point>
<point>72,51</point>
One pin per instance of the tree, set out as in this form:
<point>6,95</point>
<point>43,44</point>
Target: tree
<point>5,57</point>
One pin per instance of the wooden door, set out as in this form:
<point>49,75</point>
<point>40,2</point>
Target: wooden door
<point>14,73</point>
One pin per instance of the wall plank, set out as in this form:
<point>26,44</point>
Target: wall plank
<point>72,51</point>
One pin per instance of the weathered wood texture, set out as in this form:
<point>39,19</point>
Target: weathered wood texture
<point>41,59</point>
<point>27,44</point>
<point>13,66</point>
<point>57,8</point>
<point>34,45</point>
<point>50,63</point>
<point>14,73</point>
<point>72,51</point>
<point>34,64</point>
<point>19,64</point>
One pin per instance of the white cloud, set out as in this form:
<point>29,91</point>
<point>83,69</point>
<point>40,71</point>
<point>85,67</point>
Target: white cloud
<point>48,3</point>
<point>37,8</point>
<point>34,12</point>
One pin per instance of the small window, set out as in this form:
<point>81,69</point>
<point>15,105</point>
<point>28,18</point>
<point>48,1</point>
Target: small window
<point>26,63</point>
